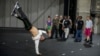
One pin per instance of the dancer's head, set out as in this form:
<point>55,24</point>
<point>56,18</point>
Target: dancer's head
<point>42,38</point>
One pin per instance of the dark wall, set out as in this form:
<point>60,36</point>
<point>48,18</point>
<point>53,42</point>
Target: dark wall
<point>70,9</point>
<point>66,7</point>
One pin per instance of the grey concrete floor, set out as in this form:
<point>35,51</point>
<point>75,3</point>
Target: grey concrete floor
<point>16,42</point>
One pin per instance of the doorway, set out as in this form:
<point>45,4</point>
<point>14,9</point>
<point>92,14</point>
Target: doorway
<point>70,7</point>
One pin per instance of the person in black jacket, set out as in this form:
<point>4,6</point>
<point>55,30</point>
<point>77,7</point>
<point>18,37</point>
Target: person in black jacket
<point>75,27</point>
<point>61,27</point>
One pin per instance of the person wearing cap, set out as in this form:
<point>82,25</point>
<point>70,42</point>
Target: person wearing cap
<point>55,27</point>
<point>37,35</point>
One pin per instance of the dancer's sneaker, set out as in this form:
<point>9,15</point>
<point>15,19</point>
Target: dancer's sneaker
<point>15,9</point>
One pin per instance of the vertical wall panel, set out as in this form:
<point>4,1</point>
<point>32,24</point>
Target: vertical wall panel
<point>35,5</point>
<point>13,22</point>
<point>44,20</point>
<point>47,7</point>
<point>61,7</point>
<point>57,7</point>
<point>2,13</point>
<point>40,13</point>
<point>30,9</point>
<point>7,14</point>
<point>54,8</point>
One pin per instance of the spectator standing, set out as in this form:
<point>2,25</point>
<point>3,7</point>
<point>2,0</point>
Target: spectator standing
<point>79,29</point>
<point>75,27</point>
<point>55,27</point>
<point>60,27</point>
<point>88,28</point>
<point>66,23</point>
<point>49,26</point>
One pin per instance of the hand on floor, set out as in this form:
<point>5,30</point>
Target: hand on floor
<point>39,54</point>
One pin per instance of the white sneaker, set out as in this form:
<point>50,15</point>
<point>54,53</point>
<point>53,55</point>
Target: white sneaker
<point>14,11</point>
<point>15,15</point>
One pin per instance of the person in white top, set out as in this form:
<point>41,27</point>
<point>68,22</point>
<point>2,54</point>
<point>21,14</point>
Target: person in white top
<point>88,28</point>
<point>37,35</point>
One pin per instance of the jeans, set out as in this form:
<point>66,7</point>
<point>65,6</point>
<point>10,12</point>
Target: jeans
<point>78,35</point>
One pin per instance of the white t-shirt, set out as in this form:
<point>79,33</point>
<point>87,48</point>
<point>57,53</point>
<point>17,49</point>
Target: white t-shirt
<point>89,24</point>
<point>39,35</point>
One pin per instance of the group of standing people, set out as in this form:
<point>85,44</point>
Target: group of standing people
<point>86,27</point>
<point>59,27</point>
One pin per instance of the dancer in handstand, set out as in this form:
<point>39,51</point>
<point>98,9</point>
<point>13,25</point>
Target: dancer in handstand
<point>37,35</point>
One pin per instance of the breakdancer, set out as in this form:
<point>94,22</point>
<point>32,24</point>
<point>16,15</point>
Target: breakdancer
<point>37,35</point>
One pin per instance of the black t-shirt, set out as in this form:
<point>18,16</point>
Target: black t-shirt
<point>66,23</point>
<point>60,25</point>
<point>75,22</point>
<point>80,24</point>
<point>61,21</point>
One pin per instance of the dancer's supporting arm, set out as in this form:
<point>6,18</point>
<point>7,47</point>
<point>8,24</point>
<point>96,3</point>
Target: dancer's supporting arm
<point>36,40</point>
<point>37,46</point>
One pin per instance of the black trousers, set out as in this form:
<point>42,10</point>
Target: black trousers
<point>60,30</point>
<point>22,13</point>
<point>24,18</point>
<point>74,33</point>
<point>54,31</point>
<point>91,37</point>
